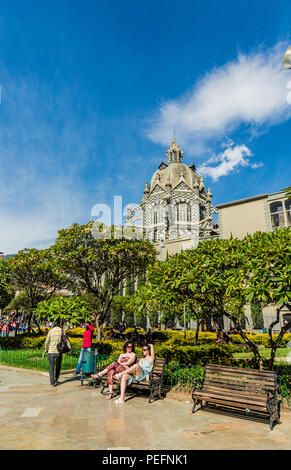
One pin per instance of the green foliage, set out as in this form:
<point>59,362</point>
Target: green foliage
<point>257,315</point>
<point>219,277</point>
<point>71,310</point>
<point>121,308</point>
<point>6,291</point>
<point>86,259</point>
<point>34,273</point>
<point>204,354</point>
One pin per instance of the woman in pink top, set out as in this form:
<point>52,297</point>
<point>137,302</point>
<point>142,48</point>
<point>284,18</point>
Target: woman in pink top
<point>124,361</point>
<point>87,345</point>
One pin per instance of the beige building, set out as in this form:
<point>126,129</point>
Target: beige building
<point>263,213</point>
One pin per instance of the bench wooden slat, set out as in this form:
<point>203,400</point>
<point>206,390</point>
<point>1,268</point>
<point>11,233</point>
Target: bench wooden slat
<point>237,369</point>
<point>238,383</point>
<point>242,383</point>
<point>235,392</point>
<point>239,405</point>
<point>240,372</point>
<point>241,398</point>
<point>209,396</point>
<point>237,389</point>
<point>234,373</point>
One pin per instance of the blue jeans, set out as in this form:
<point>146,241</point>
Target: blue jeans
<point>79,365</point>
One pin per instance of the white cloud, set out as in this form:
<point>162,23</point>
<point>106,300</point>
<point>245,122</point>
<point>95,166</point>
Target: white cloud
<point>227,162</point>
<point>249,91</point>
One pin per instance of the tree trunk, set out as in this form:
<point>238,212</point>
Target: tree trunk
<point>98,327</point>
<point>254,348</point>
<point>197,332</point>
<point>37,324</point>
<point>29,323</point>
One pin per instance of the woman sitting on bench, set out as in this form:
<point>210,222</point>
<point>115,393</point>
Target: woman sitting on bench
<point>142,370</point>
<point>126,359</point>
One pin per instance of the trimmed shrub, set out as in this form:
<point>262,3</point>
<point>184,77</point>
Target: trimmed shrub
<point>215,354</point>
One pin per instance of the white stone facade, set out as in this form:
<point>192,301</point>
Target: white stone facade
<point>176,204</point>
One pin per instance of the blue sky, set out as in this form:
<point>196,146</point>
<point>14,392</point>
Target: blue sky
<point>91,92</point>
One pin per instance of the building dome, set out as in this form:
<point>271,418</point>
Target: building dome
<point>171,174</point>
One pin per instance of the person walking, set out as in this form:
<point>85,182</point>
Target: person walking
<point>87,345</point>
<point>54,337</point>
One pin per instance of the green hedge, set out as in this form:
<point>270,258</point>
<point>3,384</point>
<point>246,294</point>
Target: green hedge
<point>175,349</point>
<point>213,353</point>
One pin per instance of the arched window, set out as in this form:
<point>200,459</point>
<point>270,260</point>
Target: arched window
<point>189,218</point>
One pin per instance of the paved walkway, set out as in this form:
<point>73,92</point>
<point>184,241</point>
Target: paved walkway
<point>70,416</point>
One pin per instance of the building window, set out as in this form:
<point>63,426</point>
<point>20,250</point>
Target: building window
<point>280,212</point>
<point>288,212</point>
<point>188,213</point>
<point>178,213</point>
<point>155,218</point>
<point>202,212</point>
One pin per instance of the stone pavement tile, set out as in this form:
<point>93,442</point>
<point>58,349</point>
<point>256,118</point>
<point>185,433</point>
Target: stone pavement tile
<point>30,413</point>
<point>115,439</point>
<point>77,426</point>
<point>4,411</point>
<point>76,417</point>
<point>229,426</point>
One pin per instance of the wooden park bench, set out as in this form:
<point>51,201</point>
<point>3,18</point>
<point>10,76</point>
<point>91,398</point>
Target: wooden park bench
<point>153,385</point>
<point>253,392</point>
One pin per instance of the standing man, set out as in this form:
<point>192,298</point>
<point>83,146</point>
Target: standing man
<point>54,337</point>
<point>87,345</point>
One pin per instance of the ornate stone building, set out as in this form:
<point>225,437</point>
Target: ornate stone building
<point>176,206</point>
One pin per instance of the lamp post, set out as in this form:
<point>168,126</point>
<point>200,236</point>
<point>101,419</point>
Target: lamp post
<point>286,61</point>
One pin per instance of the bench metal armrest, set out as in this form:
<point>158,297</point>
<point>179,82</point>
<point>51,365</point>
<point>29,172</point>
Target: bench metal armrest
<point>271,393</point>
<point>197,384</point>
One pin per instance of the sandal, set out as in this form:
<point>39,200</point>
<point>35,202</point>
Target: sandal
<point>109,396</point>
<point>119,401</point>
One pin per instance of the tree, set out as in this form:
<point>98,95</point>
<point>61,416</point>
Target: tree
<point>86,259</point>
<point>288,192</point>
<point>121,309</point>
<point>159,295</point>
<point>6,290</point>
<point>72,310</point>
<point>257,314</point>
<point>268,273</point>
<point>219,277</point>
<point>35,275</point>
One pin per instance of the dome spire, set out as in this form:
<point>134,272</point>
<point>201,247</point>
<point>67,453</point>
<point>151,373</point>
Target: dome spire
<point>174,152</point>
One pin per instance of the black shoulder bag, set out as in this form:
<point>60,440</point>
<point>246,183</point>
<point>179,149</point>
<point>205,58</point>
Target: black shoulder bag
<point>62,346</point>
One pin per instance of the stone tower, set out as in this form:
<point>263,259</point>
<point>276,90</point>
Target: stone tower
<point>176,204</point>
